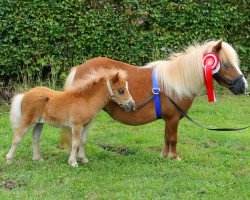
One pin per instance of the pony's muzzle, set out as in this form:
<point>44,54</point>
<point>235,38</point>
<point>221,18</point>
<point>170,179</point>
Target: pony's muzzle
<point>128,105</point>
<point>239,87</point>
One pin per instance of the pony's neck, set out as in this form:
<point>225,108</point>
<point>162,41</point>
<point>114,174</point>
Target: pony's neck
<point>181,76</point>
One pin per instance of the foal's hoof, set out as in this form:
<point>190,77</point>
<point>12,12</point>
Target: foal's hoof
<point>9,159</point>
<point>73,164</point>
<point>8,162</point>
<point>38,159</point>
<point>84,160</point>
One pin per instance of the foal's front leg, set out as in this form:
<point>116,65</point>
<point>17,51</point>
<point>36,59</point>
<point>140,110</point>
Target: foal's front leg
<point>170,139</point>
<point>76,134</point>
<point>35,141</point>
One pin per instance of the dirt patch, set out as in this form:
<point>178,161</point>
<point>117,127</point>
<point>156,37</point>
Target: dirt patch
<point>210,144</point>
<point>118,150</point>
<point>8,184</point>
<point>154,149</point>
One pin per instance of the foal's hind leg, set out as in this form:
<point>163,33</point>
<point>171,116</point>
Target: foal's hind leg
<point>169,148</point>
<point>35,141</point>
<point>81,150</point>
<point>76,134</point>
<point>19,133</point>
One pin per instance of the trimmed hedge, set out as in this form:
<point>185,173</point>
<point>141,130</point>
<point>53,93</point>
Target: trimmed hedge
<point>45,38</point>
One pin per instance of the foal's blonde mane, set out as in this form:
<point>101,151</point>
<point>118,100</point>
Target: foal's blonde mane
<point>95,76</point>
<point>182,75</point>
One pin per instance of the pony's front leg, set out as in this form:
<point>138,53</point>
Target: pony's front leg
<point>35,141</point>
<point>19,133</point>
<point>81,151</point>
<point>170,139</point>
<point>76,134</point>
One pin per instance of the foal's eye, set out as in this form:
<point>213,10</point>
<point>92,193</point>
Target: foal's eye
<point>120,91</point>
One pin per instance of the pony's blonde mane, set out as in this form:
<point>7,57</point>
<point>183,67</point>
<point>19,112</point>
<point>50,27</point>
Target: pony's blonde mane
<point>182,75</point>
<point>95,76</point>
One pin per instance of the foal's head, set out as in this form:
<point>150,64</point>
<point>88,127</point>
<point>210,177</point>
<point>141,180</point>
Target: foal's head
<point>118,88</point>
<point>229,74</point>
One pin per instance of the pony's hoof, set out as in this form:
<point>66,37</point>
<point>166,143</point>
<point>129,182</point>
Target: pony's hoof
<point>177,158</point>
<point>170,155</point>
<point>163,155</point>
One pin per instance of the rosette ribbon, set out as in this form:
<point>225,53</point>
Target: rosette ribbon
<point>211,66</point>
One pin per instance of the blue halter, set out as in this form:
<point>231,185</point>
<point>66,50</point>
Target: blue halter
<point>156,92</point>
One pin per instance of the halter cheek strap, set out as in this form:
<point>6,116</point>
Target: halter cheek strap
<point>113,97</point>
<point>110,89</point>
<point>211,66</point>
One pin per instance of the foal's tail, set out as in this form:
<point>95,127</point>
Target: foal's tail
<point>16,111</point>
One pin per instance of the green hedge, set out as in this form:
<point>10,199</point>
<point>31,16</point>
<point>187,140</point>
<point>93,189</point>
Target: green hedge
<point>46,38</point>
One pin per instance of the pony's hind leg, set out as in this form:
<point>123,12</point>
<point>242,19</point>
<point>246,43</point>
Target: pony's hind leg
<point>35,141</point>
<point>169,148</point>
<point>81,150</point>
<point>19,133</point>
<point>76,134</point>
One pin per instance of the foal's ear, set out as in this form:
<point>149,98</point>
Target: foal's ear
<point>217,47</point>
<point>115,77</point>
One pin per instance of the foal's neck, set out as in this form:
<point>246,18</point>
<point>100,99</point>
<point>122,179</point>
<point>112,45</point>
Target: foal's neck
<point>96,95</point>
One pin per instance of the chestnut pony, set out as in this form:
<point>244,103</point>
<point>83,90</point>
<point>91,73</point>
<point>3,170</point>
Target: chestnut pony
<point>180,77</point>
<point>73,109</point>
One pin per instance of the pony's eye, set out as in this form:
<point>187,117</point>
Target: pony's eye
<point>120,91</point>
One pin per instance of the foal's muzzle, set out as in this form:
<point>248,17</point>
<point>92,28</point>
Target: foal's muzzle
<point>128,105</point>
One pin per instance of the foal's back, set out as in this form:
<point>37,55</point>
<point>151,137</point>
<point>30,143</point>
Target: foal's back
<point>35,103</point>
<point>38,97</point>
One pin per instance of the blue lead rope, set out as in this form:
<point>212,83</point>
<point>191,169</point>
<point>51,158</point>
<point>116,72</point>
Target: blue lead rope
<point>156,92</point>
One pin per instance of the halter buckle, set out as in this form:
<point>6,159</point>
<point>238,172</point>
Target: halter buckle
<point>156,91</point>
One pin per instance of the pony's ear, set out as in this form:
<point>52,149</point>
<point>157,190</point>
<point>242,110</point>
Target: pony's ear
<point>217,47</point>
<point>115,77</point>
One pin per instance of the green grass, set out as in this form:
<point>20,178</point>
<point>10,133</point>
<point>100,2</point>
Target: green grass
<point>215,165</point>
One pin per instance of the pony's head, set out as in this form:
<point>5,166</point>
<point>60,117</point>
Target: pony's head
<point>118,88</point>
<point>229,73</point>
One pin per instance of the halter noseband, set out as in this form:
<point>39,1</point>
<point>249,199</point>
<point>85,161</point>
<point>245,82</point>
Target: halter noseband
<point>229,83</point>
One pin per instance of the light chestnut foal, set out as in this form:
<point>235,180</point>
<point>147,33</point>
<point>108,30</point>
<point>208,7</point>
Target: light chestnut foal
<point>73,109</point>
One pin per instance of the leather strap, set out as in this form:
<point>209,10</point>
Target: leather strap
<point>184,114</point>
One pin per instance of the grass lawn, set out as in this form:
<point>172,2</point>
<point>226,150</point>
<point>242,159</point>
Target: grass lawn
<point>124,161</point>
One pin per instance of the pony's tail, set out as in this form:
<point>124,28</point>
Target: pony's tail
<point>16,110</point>
<point>70,79</point>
